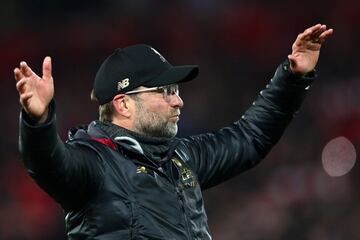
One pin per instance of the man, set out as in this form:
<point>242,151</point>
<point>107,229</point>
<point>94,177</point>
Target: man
<point>127,176</point>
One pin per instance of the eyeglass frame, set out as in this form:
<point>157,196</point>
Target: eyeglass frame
<point>161,89</point>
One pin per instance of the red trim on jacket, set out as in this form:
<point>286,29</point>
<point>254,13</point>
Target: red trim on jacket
<point>106,142</point>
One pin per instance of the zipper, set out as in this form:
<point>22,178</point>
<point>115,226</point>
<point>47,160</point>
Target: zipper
<point>158,169</point>
<point>181,201</point>
<point>173,181</point>
<point>180,196</point>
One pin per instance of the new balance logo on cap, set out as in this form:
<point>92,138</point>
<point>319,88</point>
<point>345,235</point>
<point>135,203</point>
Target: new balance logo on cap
<point>123,84</point>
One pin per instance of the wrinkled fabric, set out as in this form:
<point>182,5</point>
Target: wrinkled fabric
<point>115,184</point>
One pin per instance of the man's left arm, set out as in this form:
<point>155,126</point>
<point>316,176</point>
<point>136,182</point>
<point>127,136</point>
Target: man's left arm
<point>218,156</point>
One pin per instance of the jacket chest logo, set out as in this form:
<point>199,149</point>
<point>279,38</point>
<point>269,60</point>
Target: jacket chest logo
<point>186,175</point>
<point>141,169</point>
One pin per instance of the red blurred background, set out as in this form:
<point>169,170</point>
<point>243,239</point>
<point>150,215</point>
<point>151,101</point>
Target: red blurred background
<point>238,45</point>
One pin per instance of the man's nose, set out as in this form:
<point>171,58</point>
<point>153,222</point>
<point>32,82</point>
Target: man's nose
<point>176,101</point>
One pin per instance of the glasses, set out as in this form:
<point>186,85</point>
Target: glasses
<point>168,91</point>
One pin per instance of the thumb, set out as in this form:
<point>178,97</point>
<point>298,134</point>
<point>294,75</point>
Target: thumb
<point>292,60</point>
<point>47,68</point>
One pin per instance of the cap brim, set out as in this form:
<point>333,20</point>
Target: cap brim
<point>176,74</point>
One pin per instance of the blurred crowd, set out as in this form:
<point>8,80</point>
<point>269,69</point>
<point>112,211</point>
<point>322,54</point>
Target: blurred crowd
<point>238,45</point>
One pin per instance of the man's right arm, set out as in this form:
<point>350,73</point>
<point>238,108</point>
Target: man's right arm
<point>66,172</point>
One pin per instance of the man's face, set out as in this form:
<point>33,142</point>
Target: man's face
<point>156,115</point>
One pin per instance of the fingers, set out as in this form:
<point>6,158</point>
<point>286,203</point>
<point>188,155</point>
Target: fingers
<point>314,35</point>
<point>25,69</point>
<point>20,85</point>
<point>314,29</point>
<point>307,33</point>
<point>24,97</point>
<point>324,35</point>
<point>47,68</point>
<point>17,74</point>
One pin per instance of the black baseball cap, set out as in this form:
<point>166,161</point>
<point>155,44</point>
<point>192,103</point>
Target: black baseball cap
<point>135,66</point>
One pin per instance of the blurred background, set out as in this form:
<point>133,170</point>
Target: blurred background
<point>238,45</point>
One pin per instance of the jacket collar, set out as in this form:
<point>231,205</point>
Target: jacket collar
<point>158,149</point>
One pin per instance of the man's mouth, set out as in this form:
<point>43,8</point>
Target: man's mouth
<point>175,117</point>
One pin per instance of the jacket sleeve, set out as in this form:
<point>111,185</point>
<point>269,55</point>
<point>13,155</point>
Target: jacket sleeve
<point>218,156</point>
<point>66,172</point>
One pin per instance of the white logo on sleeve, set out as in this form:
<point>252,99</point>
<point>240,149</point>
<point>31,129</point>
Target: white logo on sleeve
<point>123,84</point>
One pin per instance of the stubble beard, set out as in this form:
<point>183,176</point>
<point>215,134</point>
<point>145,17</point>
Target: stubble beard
<point>151,124</point>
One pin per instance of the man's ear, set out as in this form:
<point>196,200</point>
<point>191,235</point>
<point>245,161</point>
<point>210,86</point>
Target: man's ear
<point>121,105</point>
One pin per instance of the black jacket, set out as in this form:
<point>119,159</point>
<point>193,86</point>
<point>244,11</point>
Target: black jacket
<point>111,188</point>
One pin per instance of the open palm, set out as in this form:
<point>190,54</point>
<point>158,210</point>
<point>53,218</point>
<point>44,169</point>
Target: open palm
<point>35,92</point>
<point>306,48</point>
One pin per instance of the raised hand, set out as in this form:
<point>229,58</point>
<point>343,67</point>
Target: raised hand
<point>306,48</point>
<point>35,92</point>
